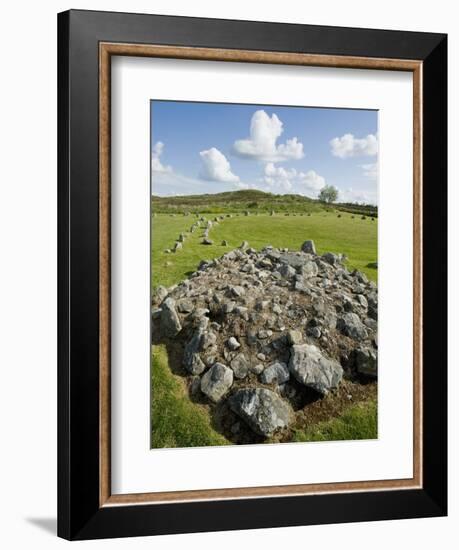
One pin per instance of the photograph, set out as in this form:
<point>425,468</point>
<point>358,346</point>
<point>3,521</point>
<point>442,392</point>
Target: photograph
<point>264,274</point>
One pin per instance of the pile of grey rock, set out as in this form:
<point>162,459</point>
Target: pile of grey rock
<point>255,329</point>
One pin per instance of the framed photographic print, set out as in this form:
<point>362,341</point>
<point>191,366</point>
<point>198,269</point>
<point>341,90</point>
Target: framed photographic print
<point>252,275</point>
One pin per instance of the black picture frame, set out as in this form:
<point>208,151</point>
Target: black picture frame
<point>80,515</point>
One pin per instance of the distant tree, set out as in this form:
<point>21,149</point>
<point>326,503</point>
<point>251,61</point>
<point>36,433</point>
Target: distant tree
<point>328,194</point>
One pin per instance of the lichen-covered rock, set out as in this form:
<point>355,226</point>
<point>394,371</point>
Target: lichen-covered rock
<point>311,368</point>
<point>262,409</point>
<point>216,382</point>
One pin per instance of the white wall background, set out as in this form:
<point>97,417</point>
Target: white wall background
<point>28,270</point>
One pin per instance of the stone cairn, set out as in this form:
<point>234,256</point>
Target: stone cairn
<point>255,331</point>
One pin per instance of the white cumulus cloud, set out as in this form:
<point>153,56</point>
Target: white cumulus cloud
<point>349,146</point>
<point>216,167</point>
<point>261,145</point>
<point>156,165</point>
<point>283,180</point>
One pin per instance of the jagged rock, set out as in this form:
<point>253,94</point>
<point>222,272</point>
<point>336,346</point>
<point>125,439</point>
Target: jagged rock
<point>244,245</point>
<point>170,321</point>
<point>216,381</point>
<point>224,243</point>
<point>308,247</point>
<point>191,358</point>
<point>275,372</point>
<point>351,325</point>
<point>366,362</point>
<point>263,410</point>
<point>178,246</point>
<point>311,368</point>
<point>207,241</point>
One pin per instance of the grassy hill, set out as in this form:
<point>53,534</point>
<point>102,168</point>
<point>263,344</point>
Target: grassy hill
<point>252,200</point>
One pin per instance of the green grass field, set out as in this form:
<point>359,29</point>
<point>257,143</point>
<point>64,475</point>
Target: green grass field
<point>354,237</point>
<point>358,422</point>
<point>176,420</point>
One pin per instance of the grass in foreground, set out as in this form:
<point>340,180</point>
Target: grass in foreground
<point>358,422</point>
<point>176,421</point>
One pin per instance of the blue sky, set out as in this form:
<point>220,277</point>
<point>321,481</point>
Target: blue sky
<point>215,147</point>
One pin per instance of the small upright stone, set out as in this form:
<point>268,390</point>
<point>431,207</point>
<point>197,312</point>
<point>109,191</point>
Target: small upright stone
<point>308,247</point>
<point>170,321</point>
